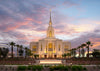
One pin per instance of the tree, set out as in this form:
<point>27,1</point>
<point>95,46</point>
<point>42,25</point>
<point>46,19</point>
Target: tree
<point>68,54</point>
<point>36,56</point>
<point>29,53</point>
<point>88,44</point>
<point>21,50</point>
<point>26,52</point>
<point>73,52</point>
<point>0,52</point>
<point>12,44</point>
<point>64,55</point>
<point>17,48</point>
<point>4,52</point>
<point>83,51</point>
<point>79,50</point>
<point>96,53</point>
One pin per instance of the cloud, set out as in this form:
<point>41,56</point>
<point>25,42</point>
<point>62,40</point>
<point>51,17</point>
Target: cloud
<point>27,20</point>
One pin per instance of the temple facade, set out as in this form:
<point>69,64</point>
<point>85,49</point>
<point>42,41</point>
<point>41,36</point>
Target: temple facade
<point>50,47</point>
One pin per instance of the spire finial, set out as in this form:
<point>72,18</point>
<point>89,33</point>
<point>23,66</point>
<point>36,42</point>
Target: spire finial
<point>50,22</point>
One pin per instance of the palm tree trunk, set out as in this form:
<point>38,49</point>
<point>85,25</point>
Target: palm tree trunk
<point>83,54</point>
<point>12,52</point>
<point>25,54</point>
<point>79,52</point>
<point>88,51</point>
<point>17,51</point>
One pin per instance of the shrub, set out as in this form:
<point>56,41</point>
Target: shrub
<point>74,68</point>
<point>84,69</point>
<point>79,68</point>
<point>29,67</point>
<point>21,68</point>
<point>33,68</point>
<point>66,68</point>
<point>51,68</point>
<point>39,67</point>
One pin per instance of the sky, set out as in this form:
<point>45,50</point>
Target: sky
<point>24,21</point>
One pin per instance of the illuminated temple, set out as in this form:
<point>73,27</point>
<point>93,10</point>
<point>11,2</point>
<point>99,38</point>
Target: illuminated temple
<point>50,47</point>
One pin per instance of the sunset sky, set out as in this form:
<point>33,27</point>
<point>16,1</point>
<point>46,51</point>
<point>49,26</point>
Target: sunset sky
<point>23,21</point>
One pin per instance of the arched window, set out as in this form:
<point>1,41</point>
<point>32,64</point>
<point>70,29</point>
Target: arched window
<point>59,47</point>
<point>66,48</point>
<point>46,48</point>
<point>34,49</point>
<point>50,47</point>
<point>41,47</point>
<point>50,34</point>
<point>54,47</point>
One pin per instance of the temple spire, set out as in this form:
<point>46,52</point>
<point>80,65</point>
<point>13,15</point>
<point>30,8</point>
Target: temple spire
<point>50,22</point>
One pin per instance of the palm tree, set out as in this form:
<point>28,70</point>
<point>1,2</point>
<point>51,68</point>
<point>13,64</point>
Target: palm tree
<point>0,52</point>
<point>4,52</point>
<point>88,44</point>
<point>79,50</point>
<point>29,53</point>
<point>64,55</point>
<point>26,51</point>
<point>17,48</point>
<point>83,51</point>
<point>73,52</point>
<point>21,51</point>
<point>12,44</point>
<point>68,54</point>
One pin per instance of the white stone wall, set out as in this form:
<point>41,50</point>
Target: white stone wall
<point>55,42</point>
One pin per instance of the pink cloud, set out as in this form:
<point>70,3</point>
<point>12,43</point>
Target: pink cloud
<point>17,25</point>
<point>30,19</point>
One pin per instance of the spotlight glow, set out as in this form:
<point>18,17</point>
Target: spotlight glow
<point>50,62</point>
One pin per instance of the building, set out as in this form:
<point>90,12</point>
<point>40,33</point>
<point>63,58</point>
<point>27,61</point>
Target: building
<point>50,47</point>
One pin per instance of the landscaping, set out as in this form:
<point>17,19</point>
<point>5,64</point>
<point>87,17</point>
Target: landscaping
<point>49,68</point>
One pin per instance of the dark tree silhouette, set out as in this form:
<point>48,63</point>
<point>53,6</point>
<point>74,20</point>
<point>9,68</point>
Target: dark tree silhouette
<point>4,52</point>
<point>82,50</point>
<point>88,44</point>
<point>21,50</point>
<point>12,44</point>
<point>79,50</point>
<point>17,48</point>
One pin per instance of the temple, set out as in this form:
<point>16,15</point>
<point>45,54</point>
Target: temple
<point>50,47</point>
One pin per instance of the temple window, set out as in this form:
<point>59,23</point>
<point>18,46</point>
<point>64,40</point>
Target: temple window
<point>41,47</point>
<point>54,47</point>
<point>50,34</point>
<point>46,48</point>
<point>34,49</point>
<point>59,47</point>
<point>66,48</point>
<point>50,47</point>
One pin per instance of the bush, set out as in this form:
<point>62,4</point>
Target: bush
<point>74,68</point>
<point>21,68</point>
<point>29,67</point>
<point>77,68</point>
<point>60,67</point>
<point>51,68</point>
<point>66,68</point>
<point>39,67</point>
<point>84,69</point>
<point>33,68</point>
